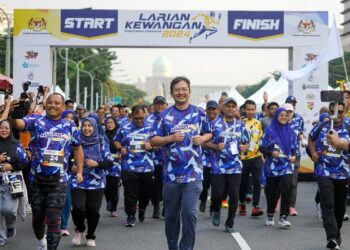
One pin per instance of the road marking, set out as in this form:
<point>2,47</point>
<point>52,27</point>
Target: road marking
<point>241,241</point>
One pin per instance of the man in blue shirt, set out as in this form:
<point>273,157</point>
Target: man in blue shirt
<point>181,131</point>
<point>51,139</point>
<point>332,172</point>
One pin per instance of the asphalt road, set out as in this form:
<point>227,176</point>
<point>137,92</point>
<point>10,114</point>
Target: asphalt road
<point>306,233</point>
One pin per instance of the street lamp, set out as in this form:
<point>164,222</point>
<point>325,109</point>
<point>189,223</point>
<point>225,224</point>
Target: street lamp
<point>92,89</point>
<point>8,46</point>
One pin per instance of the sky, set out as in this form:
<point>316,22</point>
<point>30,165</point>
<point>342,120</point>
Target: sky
<point>202,66</point>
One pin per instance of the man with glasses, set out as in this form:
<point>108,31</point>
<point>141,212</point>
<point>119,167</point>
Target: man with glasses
<point>80,111</point>
<point>332,171</point>
<point>181,131</point>
<point>297,124</point>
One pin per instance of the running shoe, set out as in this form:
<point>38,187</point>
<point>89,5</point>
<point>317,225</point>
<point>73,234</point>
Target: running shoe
<point>242,210</point>
<point>293,211</point>
<point>216,219</point>
<point>77,238</point>
<point>211,214</point>
<point>248,197</point>
<point>141,215</point>
<point>346,217</point>
<point>283,222</point>
<point>156,212</point>
<point>257,211</point>
<point>202,206</point>
<point>114,214</point>
<point>42,244</point>
<point>229,229</point>
<point>130,221</point>
<point>270,221</point>
<point>65,232</point>
<point>332,244</point>
<point>91,243</point>
<point>224,204</point>
<point>11,232</point>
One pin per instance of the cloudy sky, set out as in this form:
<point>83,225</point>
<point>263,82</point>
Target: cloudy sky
<point>202,66</point>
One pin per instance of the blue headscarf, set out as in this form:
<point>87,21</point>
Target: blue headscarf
<point>68,111</point>
<point>323,116</point>
<point>91,144</point>
<point>283,135</point>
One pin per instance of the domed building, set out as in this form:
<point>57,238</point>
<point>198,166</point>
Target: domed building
<point>162,67</point>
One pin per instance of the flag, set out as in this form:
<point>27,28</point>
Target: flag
<point>331,49</point>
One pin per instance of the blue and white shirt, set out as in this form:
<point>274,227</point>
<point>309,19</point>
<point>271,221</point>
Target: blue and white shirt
<point>228,160</point>
<point>182,160</point>
<point>50,144</point>
<point>332,163</point>
<point>297,125</point>
<point>133,139</point>
<point>154,119</point>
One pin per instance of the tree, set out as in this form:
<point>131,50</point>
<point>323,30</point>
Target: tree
<point>336,69</point>
<point>130,94</point>
<point>3,54</point>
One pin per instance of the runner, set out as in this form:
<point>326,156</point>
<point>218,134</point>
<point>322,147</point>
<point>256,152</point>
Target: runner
<point>332,172</point>
<point>12,189</point>
<point>279,145</point>
<point>159,104</point>
<point>181,131</point>
<point>87,196</point>
<point>137,164</point>
<point>113,173</point>
<point>252,162</point>
<point>229,140</point>
<point>51,138</point>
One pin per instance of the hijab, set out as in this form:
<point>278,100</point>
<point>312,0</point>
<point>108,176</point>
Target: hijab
<point>9,145</point>
<point>283,135</point>
<point>68,111</point>
<point>91,144</point>
<point>111,133</point>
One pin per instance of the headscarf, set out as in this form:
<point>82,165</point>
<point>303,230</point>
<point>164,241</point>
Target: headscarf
<point>68,111</point>
<point>283,135</point>
<point>323,116</point>
<point>9,145</point>
<point>111,133</point>
<point>91,144</point>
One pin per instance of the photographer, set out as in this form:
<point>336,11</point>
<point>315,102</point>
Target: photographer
<point>51,150</point>
<point>12,160</point>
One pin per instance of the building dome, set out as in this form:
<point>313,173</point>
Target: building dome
<point>162,67</point>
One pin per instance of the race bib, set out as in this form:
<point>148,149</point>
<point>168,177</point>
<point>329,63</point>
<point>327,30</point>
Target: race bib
<point>53,158</point>
<point>138,146</point>
<point>330,150</point>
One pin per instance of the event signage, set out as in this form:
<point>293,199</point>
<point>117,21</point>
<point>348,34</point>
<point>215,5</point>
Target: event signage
<point>89,23</point>
<point>256,24</point>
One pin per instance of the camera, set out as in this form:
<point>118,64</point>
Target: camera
<point>41,89</point>
<point>24,104</point>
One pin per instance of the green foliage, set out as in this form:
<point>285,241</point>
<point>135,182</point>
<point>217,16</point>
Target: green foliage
<point>130,94</point>
<point>3,54</point>
<point>336,69</point>
<point>248,90</point>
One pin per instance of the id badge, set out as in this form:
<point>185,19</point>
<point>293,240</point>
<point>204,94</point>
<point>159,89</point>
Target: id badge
<point>53,158</point>
<point>234,148</point>
<point>138,146</point>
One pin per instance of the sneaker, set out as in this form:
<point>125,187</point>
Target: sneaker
<point>141,215</point>
<point>293,211</point>
<point>130,221</point>
<point>257,211</point>
<point>65,232</point>
<point>156,212</point>
<point>332,244</point>
<point>216,219</point>
<point>42,244</point>
<point>114,214</point>
<point>77,238</point>
<point>229,229</point>
<point>248,197</point>
<point>346,217</point>
<point>284,223</point>
<point>242,210</point>
<point>91,243</point>
<point>11,232</point>
<point>202,206</point>
<point>224,204</point>
<point>270,221</point>
<point>2,241</point>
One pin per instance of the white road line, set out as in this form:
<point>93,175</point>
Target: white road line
<point>241,241</point>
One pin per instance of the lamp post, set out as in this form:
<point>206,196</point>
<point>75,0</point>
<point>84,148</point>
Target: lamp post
<point>8,45</point>
<point>92,89</point>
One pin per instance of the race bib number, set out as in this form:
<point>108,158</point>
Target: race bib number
<point>138,146</point>
<point>53,158</point>
<point>234,148</point>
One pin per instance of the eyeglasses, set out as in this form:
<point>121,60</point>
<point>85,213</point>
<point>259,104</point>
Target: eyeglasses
<point>340,112</point>
<point>181,90</point>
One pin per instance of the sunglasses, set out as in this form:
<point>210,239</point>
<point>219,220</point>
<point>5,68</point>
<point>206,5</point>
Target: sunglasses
<point>340,112</point>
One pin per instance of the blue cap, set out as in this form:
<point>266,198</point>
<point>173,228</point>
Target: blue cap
<point>291,99</point>
<point>212,104</point>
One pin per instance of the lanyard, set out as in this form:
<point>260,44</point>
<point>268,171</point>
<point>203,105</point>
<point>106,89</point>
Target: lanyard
<point>234,125</point>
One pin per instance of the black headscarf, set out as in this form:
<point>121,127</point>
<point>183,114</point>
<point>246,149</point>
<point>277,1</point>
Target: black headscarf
<point>111,133</point>
<point>9,145</point>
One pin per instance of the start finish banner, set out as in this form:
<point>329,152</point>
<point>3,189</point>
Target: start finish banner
<point>169,28</point>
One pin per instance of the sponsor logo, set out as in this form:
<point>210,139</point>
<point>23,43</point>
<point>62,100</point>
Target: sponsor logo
<point>310,57</point>
<point>37,24</point>
<point>310,96</point>
<point>191,26</point>
<point>310,85</point>
<point>89,23</point>
<point>310,105</point>
<point>31,55</point>
<point>26,65</point>
<point>255,25</point>
<point>306,26</point>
